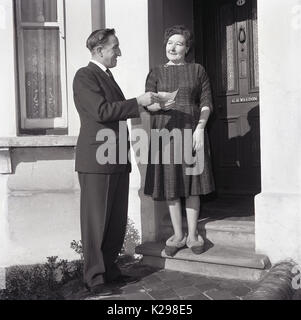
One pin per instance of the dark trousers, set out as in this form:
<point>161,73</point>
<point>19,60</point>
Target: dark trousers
<point>103,212</point>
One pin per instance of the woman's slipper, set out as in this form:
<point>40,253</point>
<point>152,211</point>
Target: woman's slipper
<point>196,247</point>
<point>172,246</point>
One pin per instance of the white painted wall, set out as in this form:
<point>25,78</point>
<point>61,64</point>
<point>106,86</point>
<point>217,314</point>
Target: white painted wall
<point>7,67</point>
<point>130,20</point>
<point>78,28</point>
<point>7,108</point>
<point>4,233</point>
<point>278,207</point>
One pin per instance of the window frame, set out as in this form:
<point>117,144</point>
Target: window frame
<point>41,123</point>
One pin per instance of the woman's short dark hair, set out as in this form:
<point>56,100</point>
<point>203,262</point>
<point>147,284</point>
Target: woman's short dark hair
<point>179,29</point>
<point>99,38</point>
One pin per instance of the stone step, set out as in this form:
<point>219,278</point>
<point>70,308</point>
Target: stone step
<point>223,232</point>
<point>229,231</point>
<point>216,261</point>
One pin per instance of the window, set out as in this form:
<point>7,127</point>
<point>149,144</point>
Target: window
<point>41,63</point>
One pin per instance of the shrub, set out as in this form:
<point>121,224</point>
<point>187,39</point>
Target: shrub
<point>131,240</point>
<point>77,246</point>
<point>41,281</point>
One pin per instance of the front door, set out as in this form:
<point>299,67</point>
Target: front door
<point>229,54</point>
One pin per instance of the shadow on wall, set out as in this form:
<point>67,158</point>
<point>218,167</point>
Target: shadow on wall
<point>43,168</point>
<point>35,154</point>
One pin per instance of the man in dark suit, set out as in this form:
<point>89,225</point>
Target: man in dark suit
<point>104,187</point>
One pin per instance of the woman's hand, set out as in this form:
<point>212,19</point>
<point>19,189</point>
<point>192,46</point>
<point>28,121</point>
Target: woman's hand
<point>167,106</point>
<point>198,138</point>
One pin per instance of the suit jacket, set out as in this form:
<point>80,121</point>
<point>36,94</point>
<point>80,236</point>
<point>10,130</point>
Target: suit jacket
<point>101,105</point>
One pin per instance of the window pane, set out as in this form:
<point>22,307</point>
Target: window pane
<point>42,73</point>
<point>39,10</point>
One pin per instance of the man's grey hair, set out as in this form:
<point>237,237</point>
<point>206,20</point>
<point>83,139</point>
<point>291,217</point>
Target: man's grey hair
<point>99,38</point>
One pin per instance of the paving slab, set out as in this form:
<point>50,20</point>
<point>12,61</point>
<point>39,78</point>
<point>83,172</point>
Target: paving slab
<point>139,296</point>
<point>199,296</point>
<point>178,283</point>
<point>163,294</point>
<point>216,294</point>
<point>187,291</point>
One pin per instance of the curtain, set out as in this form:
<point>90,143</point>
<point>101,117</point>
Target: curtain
<point>41,60</point>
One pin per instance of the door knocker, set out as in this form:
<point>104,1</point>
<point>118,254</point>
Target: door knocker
<point>240,2</point>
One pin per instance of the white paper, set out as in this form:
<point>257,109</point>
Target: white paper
<point>167,98</point>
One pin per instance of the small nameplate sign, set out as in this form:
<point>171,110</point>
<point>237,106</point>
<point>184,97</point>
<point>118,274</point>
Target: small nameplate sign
<point>244,99</point>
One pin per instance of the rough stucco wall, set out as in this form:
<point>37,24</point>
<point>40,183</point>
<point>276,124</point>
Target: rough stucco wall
<point>43,205</point>
<point>3,219</point>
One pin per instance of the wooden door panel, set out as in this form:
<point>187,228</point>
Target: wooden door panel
<point>231,60</point>
<point>226,54</point>
<point>253,34</point>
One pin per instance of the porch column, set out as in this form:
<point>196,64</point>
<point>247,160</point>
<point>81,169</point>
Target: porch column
<point>98,14</point>
<point>77,55</point>
<point>278,206</point>
<point>130,73</point>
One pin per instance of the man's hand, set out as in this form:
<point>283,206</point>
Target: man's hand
<point>147,99</point>
<point>198,139</point>
<point>154,107</point>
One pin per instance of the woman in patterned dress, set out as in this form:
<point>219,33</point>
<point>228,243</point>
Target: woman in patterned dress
<point>190,111</point>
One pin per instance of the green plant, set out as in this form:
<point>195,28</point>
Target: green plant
<point>41,281</point>
<point>77,246</point>
<point>131,239</point>
<point>30,282</point>
<point>71,270</point>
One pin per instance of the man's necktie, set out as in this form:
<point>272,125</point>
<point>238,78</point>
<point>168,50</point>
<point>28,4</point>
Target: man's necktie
<point>109,73</point>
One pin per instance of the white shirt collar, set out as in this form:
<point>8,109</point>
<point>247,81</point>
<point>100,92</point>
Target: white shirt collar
<point>101,66</point>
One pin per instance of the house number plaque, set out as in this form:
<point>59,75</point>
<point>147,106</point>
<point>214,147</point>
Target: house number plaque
<point>244,99</point>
